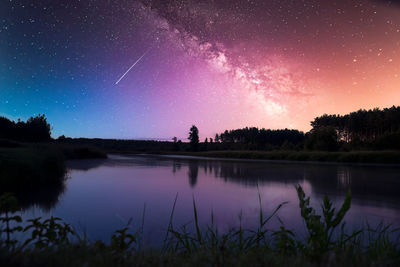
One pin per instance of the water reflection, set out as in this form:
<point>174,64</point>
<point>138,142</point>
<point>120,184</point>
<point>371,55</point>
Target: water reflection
<point>44,197</point>
<point>193,173</point>
<point>372,183</point>
<point>86,164</point>
<point>102,195</point>
<point>365,182</point>
<point>176,166</point>
<point>47,197</point>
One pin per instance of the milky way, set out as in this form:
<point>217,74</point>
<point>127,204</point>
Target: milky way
<point>217,64</point>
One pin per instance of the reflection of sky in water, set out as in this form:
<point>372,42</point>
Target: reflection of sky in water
<point>101,195</point>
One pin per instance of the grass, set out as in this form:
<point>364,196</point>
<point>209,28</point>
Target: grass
<point>52,242</point>
<point>80,152</point>
<point>158,147</point>
<point>378,157</point>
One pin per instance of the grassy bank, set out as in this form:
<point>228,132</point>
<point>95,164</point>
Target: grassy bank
<point>379,157</point>
<point>80,152</point>
<point>234,150</point>
<point>52,242</point>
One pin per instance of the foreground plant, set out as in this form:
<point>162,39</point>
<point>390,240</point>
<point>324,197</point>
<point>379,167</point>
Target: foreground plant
<point>321,228</point>
<point>49,232</point>
<point>8,208</point>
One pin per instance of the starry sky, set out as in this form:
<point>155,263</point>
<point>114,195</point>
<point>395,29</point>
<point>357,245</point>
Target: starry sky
<point>216,64</point>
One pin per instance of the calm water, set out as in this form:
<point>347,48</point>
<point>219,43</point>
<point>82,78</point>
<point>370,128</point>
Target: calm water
<point>101,195</point>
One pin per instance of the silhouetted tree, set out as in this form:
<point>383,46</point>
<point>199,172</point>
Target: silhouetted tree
<point>194,138</point>
<point>323,138</point>
<point>205,146</point>
<point>38,129</point>
<point>254,138</point>
<point>176,146</point>
<point>7,128</point>
<point>35,129</point>
<point>216,138</point>
<point>364,127</point>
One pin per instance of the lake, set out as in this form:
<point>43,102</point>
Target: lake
<point>100,196</point>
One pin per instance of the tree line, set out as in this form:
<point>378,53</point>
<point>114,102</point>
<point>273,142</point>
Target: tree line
<point>247,138</point>
<point>363,129</point>
<point>35,129</point>
<point>373,129</point>
<point>261,137</point>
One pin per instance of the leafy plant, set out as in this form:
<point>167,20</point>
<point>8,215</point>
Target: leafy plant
<point>321,228</point>
<point>8,207</point>
<point>52,231</point>
<point>121,241</point>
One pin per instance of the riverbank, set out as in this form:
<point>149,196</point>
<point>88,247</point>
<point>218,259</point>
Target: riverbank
<point>357,157</point>
<point>221,150</point>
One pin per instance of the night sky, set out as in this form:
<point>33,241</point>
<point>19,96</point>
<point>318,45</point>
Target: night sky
<point>216,64</point>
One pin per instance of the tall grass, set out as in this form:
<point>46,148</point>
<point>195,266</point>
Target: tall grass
<point>52,242</point>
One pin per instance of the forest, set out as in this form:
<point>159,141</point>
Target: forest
<point>363,129</point>
<point>374,129</point>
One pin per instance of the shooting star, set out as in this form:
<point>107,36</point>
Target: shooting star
<point>133,65</point>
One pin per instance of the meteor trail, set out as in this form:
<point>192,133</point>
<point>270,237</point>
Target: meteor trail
<point>133,65</point>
